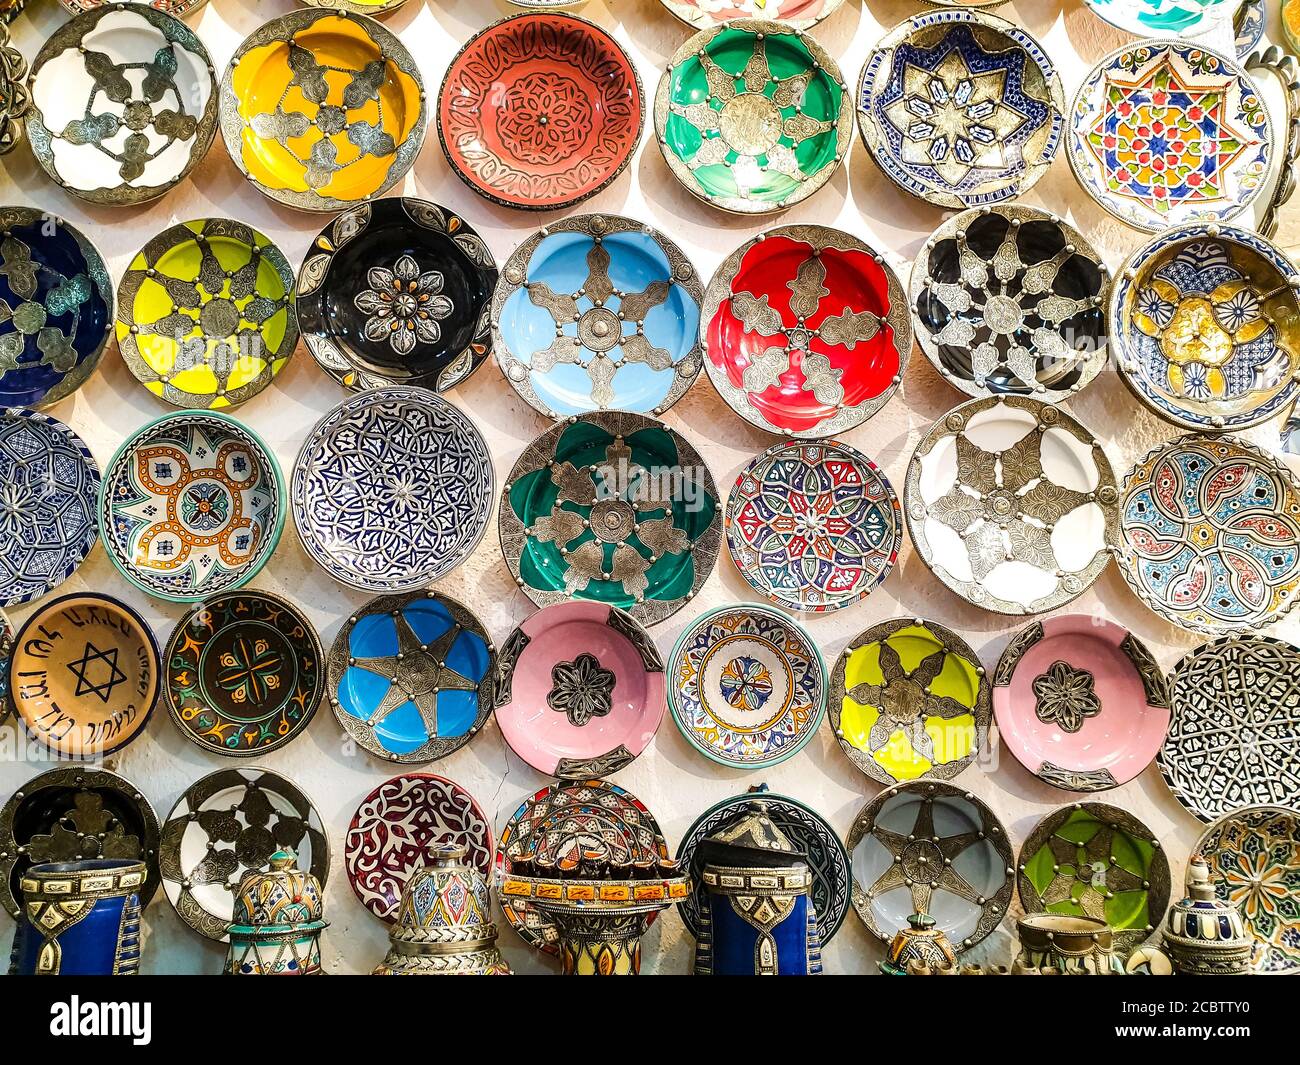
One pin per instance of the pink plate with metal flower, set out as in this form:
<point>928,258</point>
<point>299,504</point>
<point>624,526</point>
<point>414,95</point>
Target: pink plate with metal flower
<point>580,690</point>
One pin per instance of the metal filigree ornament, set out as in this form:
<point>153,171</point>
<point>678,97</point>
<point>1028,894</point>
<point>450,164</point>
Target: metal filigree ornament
<point>1274,64</point>
<point>753,116</point>
<point>1011,299</point>
<point>15,99</point>
<point>178,8</point>
<point>124,104</point>
<point>1012,504</point>
<point>626,339</point>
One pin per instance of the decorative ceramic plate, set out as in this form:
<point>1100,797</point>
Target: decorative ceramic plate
<point>1210,534</point>
<point>70,813</point>
<point>358,7</point>
<point>1254,860</point>
<point>1080,702</point>
<point>540,111</point>
<point>806,829</point>
<point>84,675</point>
<point>961,108</point>
<point>49,488</point>
<point>1166,132</point>
<point>612,507</point>
<point>579,690</point>
<point>929,847</point>
<point>1011,299</point>
<point>1012,504</point>
<point>179,8</point>
<point>244,673</point>
<point>205,313</point>
<point>753,116</point>
<point>807,331</point>
<point>124,104</point>
<point>748,686</point>
<point>796,14</point>
<point>396,292</point>
<point>321,109</point>
<point>6,649</point>
<point>1290,11</point>
<point>563,823</point>
<point>1248,26</point>
<point>226,825</point>
<point>1094,860</point>
<point>1232,741</point>
<point>562,312</point>
<point>813,527</point>
<point>392,490</point>
<point>909,699</point>
<point>56,302</point>
<point>410,676</point>
<point>1165,18</point>
<point>191,505</point>
<point>396,825</point>
<point>1207,328</point>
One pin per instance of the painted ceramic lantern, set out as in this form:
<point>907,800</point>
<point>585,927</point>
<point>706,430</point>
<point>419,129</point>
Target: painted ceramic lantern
<point>921,945</point>
<point>277,922</point>
<point>1205,935</point>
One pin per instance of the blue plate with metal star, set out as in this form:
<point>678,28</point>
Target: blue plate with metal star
<point>49,483</point>
<point>56,308</point>
<point>598,312</point>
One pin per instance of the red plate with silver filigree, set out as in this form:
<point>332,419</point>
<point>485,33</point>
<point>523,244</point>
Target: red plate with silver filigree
<point>540,110</point>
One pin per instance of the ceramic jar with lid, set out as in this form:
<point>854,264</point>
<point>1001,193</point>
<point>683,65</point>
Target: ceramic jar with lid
<point>922,944</point>
<point>1204,935</point>
<point>278,921</point>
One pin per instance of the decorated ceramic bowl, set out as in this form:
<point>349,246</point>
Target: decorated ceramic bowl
<point>60,300</point>
<point>205,313</point>
<point>124,104</point>
<point>1209,534</point>
<point>395,292</point>
<point>747,686</point>
<point>813,526</point>
<point>179,8</point>
<point>1080,702</point>
<point>753,116</point>
<point>797,14</point>
<point>598,312</point>
<point>49,487</point>
<point>1012,504</point>
<point>1207,327</point>
<point>192,504</point>
<point>961,108</point>
<point>392,490</point>
<point>1011,300</point>
<point>1248,26</point>
<point>611,507</point>
<point>909,699</point>
<point>540,111</point>
<point>374,8</point>
<point>579,690</point>
<point>806,331</point>
<point>321,110</point>
<point>84,675</point>
<point>244,673</point>
<point>1165,18</point>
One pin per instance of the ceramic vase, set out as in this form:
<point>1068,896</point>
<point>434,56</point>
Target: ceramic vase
<point>921,945</point>
<point>277,922</point>
<point>1053,942</point>
<point>1205,936</point>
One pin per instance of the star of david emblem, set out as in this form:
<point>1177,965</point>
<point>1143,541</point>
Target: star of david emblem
<point>96,672</point>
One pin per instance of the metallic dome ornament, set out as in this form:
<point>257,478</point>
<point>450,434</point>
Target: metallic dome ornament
<point>1012,504</point>
<point>753,116</point>
<point>1011,300</point>
<point>796,14</point>
<point>15,99</point>
<point>1203,934</point>
<point>961,108</point>
<point>278,919</point>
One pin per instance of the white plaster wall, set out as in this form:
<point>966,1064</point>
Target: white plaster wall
<point>675,782</point>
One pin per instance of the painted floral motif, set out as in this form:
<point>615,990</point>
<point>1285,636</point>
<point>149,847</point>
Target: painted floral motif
<point>544,116</point>
<point>403,305</point>
<point>581,689</point>
<point>1065,697</point>
<point>250,670</point>
<point>746,683</point>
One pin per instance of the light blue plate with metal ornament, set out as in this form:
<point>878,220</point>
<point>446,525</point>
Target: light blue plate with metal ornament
<point>598,312</point>
<point>1165,18</point>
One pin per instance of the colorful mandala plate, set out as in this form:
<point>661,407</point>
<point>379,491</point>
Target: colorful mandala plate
<point>322,109</point>
<point>396,825</point>
<point>540,111</point>
<point>1165,18</point>
<point>615,508</point>
<point>1254,860</point>
<point>392,490</point>
<point>244,673</point>
<point>1080,702</point>
<point>748,686</point>
<point>56,302</point>
<point>909,699</point>
<point>813,527</point>
<point>579,690</point>
<point>1210,535</point>
<point>796,14</point>
<point>598,312</point>
<point>15,99</point>
<point>396,292</point>
<point>191,505</point>
<point>49,488</point>
<point>961,108</point>
<point>84,675</point>
<point>753,116</point>
<point>205,313</point>
<point>806,331</point>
